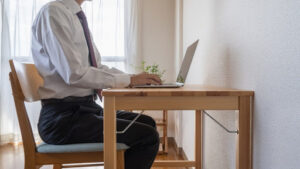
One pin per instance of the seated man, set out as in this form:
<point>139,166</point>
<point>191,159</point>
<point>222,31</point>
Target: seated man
<point>70,64</point>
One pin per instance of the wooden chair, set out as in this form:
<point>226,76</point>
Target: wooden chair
<point>25,81</point>
<point>164,124</point>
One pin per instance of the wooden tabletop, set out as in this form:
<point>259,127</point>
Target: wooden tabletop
<point>187,90</point>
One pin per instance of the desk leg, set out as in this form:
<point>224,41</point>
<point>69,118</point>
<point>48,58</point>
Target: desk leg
<point>198,139</point>
<point>244,138</point>
<point>110,153</point>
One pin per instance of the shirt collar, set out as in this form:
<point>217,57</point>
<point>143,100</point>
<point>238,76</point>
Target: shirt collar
<point>72,5</point>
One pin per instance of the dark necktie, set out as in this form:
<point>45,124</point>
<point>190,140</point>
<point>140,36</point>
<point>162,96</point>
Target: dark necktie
<point>87,35</point>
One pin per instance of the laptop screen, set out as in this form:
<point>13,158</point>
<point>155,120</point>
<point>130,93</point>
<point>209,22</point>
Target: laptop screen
<point>186,63</point>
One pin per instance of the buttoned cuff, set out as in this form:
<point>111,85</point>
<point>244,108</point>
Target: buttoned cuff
<point>122,80</point>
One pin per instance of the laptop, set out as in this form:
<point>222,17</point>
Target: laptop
<point>185,67</point>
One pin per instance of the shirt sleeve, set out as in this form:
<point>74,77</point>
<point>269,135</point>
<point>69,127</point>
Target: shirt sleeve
<point>66,57</point>
<point>122,76</point>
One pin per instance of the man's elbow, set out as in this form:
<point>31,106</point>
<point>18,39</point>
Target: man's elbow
<point>73,79</point>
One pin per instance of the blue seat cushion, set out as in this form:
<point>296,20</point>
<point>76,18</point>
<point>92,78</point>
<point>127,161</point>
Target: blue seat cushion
<point>75,148</point>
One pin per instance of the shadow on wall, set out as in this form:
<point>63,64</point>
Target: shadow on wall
<point>212,66</point>
<point>218,145</point>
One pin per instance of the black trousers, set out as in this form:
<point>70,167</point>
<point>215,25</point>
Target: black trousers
<point>82,122</point>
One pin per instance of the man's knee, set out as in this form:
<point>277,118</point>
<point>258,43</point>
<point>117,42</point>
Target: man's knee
<point>149,121</point>
<point>151,135</point>
<point>155,136</point>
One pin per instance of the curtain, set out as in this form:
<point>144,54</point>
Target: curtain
<point>133,42</point>
<point>106,22</point>
<point>8,132</point>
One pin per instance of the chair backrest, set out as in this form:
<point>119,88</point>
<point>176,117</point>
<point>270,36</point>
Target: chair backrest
<point>25,81</point>
<point>29,78</point>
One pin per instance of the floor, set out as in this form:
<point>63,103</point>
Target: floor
<point>11,157</point>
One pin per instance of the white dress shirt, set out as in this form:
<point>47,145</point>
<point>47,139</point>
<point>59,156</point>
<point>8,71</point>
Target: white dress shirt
<point>61,54</point>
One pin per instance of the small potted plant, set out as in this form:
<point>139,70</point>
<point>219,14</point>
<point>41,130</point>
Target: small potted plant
<point>152,69</point>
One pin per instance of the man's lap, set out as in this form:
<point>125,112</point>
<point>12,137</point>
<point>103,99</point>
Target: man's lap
<point>83,123</point>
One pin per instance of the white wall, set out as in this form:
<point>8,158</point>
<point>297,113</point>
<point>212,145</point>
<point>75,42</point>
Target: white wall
<point>158,20</point>
<point>248,44</point>
<point>158,34</point>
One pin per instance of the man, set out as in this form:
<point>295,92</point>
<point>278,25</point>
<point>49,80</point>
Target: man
<point>70,64</point>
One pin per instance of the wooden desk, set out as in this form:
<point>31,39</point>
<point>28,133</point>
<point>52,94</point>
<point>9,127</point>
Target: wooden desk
<point>190,97</point>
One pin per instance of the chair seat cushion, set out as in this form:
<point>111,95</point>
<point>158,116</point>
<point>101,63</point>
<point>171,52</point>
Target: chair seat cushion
<point>73,148</point>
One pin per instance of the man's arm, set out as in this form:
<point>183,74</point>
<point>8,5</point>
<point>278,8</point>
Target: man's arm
<point>68,61</point>
<point>138,79</point>
<point>66,57</point>
<point>99,61</point>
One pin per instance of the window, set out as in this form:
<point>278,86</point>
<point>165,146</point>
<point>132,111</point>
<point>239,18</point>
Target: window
<point>106,22</point>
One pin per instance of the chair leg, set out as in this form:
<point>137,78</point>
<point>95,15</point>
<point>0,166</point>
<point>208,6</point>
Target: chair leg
<point>57,166</point>
<point>30,165</point>
<point>165,132</point>
<point>120,160</point>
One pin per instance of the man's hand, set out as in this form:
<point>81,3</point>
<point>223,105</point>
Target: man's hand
<point>144,79</point>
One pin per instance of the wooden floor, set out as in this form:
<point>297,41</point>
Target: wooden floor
<point>11,157</point>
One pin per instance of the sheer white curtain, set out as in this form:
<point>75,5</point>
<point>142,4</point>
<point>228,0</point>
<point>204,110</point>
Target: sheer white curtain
<point>133,42</point>
<point>106,21</point>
